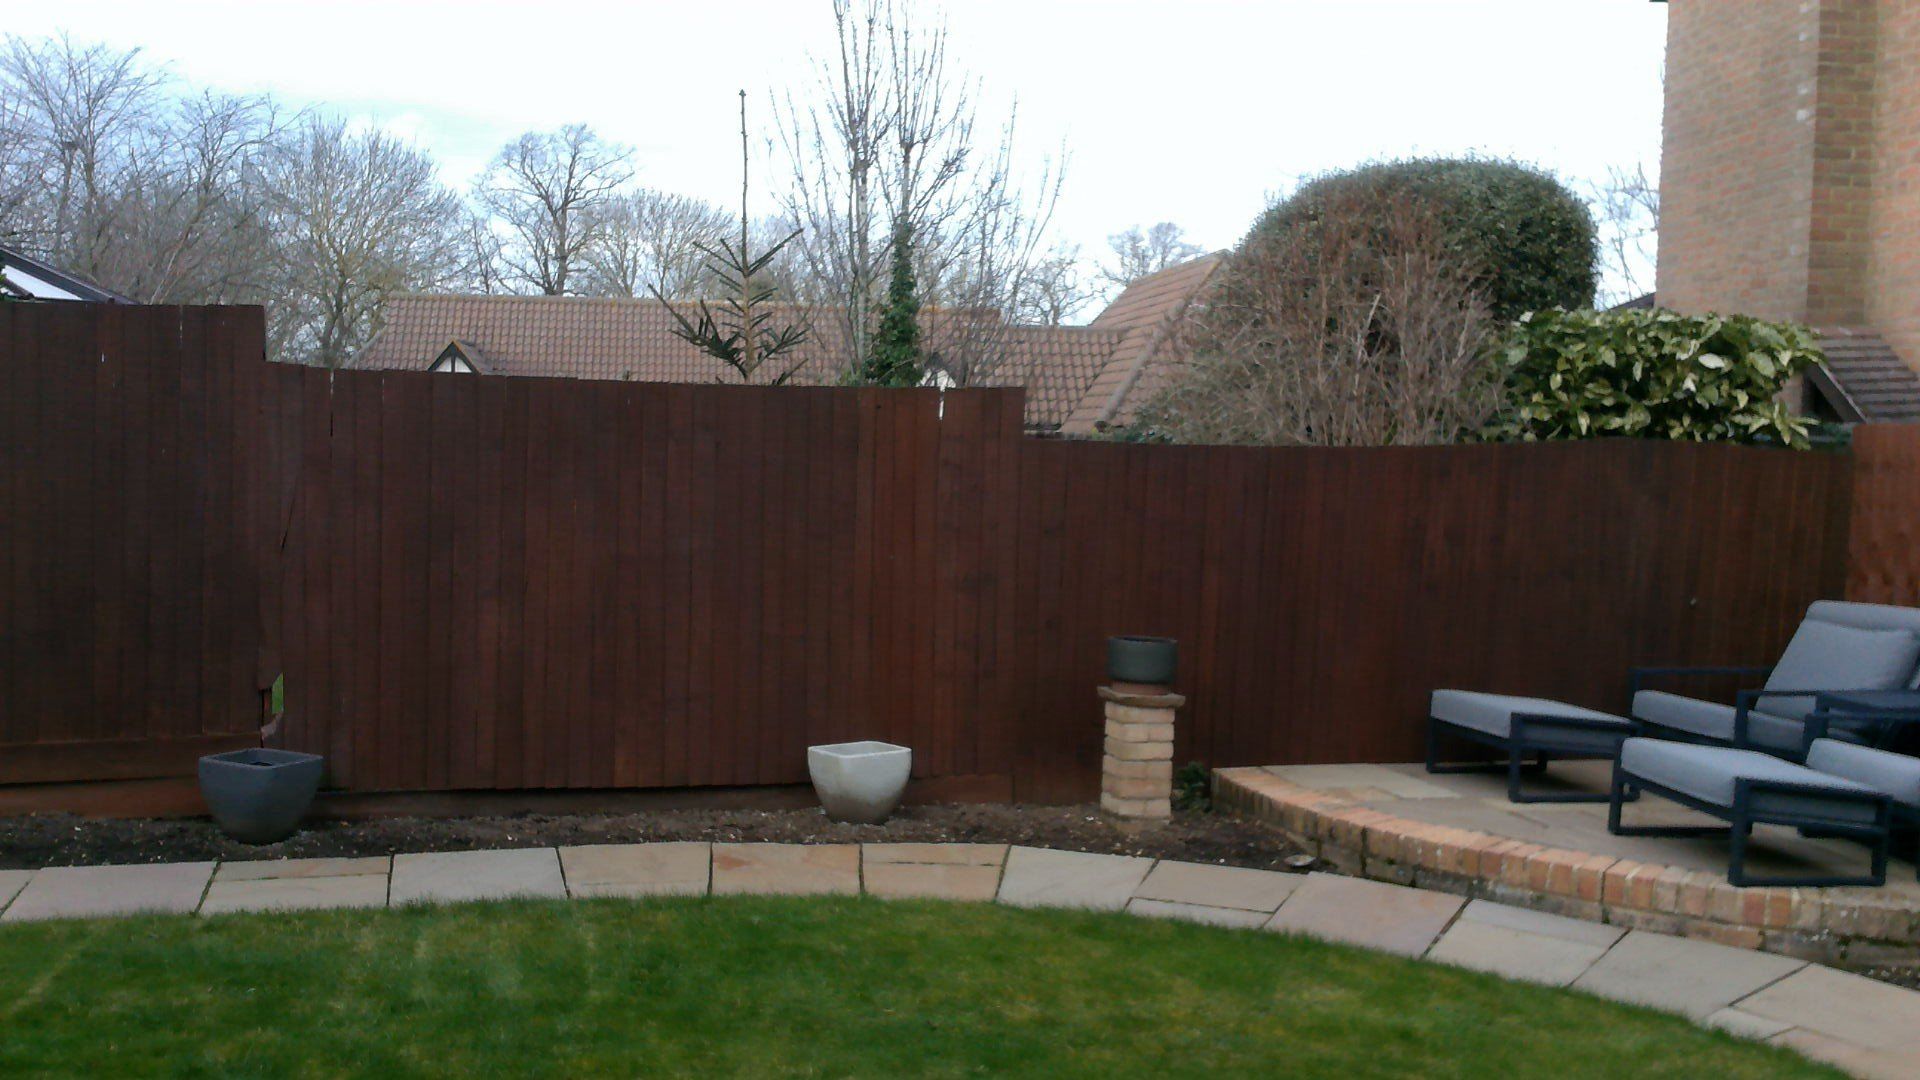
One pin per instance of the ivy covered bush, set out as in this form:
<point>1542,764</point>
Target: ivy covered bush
<point>1650,373</point>
<point>1529,241</point>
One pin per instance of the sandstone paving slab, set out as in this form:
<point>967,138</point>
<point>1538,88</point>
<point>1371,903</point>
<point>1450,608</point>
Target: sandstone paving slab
<point>1542,923</point>
<point>1746,1025</point>
<point>447,876</point>
<point>264,869</point>
<point>1218,886</point>
<point>63,892</point>
<point>1042,877</point>
<point>11,882</point>
<point>1200,913</point>
<point>964,854</point>
<point>1374,914</point>
<point>1514,954</point>
<point>937,881</point>
<point>295,893</point>
<point>678,868</point>
<point>1379,778</point>
<point>1694,978</point>
<point>786,869</point>
<point>1842,1005</point>
<point>1867,1063</point>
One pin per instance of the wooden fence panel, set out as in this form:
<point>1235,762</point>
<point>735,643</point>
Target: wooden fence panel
<point>477,583</point>
<point>129,627</point>
<point>1883,564</point>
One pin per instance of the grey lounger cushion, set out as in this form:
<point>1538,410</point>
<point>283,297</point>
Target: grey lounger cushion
<point>1831,656</point>
<point>1493,714</point>
<point>1708,773</point>
<point>1893,774</point>
<point>1711,720</point>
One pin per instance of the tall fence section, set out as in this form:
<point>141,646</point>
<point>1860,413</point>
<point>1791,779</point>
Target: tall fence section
<point>503,584</point>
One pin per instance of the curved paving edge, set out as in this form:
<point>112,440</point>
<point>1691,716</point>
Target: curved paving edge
<point>1859,926</point>
<point>1869,1028</point>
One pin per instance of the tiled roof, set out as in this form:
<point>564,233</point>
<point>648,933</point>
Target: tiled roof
<point>595,338</point>
<point>1145,312</point>
<point>1866,380</point>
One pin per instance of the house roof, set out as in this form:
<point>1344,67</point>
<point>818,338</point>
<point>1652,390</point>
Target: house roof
<point>25,276</point>
<point>600,338</point>
<point>1865,380</point>
<point>1146,313</point>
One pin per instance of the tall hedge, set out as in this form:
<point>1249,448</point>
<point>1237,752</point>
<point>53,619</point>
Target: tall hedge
<point>1530,240</point>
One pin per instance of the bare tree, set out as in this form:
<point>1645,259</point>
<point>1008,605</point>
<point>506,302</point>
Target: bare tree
<point>1366,334</point>
<point>891,146</point>
<point>111,173</point>
<point>357,216</point>
<point>1059,289</point>
<point>1627,208</point>
<point>1137,253</point>
<point>546,189</point>
<point>646,240</point>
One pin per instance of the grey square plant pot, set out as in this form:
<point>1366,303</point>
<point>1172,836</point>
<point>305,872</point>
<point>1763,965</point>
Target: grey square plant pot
<point>859,782</point>
<point>258,795</point>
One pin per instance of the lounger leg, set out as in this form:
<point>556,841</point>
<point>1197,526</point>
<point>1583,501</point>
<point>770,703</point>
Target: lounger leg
<point>1742,831</point>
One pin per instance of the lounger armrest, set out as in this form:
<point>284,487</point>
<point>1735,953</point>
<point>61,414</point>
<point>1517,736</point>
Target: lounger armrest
<point>1640,676</point>
<point>1745,701</point>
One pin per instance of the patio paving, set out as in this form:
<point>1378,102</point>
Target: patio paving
<point>933,871</point>
<point>786,869</point>
<point>1373,914</point>
<point>71,892</point>
<point>679,868</point>
<point>1041,877</point>
<point>1521,943</point>
<point>1694,978</point>
<point>1868,1028</point>
<point>293,884</point>
<point>448,876</point>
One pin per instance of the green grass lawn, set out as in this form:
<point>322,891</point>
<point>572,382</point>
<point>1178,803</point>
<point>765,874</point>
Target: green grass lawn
<point>765,986</point>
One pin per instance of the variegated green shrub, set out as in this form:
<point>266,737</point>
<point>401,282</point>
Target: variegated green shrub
<point>1653,374</point>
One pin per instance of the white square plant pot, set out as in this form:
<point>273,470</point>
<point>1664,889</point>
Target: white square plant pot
<point>859,782</point>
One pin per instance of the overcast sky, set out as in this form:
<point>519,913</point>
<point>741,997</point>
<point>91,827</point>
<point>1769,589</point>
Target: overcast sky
<point>1195,112</point>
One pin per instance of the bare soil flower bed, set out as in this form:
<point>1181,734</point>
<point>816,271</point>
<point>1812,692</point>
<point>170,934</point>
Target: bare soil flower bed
<point>64,840</point>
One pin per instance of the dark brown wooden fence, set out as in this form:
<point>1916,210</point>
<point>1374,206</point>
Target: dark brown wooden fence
<point>1884,560</point>
<point>129,618</point>
<point>477,583</point>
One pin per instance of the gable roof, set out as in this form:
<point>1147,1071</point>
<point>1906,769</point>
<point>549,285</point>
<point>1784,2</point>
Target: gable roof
<point>25,276</point>
<point>1865,380</point>
<point>616,338</point>
<point>1146,312</point>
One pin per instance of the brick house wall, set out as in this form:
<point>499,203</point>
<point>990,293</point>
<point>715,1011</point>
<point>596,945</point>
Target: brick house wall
<point>1790,168</point>
<point>1893,265</point>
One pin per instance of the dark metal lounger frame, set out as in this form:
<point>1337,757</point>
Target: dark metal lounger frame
<point>1741,817</point>
<point>1528,735</point>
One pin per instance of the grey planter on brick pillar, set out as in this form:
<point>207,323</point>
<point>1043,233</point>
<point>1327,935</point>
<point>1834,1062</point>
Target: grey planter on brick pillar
<point>257,795</point>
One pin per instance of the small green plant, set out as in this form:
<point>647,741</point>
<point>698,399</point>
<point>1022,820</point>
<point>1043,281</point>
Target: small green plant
<point>1650,374</point>
<point>1193,788</point>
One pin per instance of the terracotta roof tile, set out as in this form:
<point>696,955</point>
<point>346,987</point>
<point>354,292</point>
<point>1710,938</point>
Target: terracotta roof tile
<point>595,338</point>
<point>1146,311</point>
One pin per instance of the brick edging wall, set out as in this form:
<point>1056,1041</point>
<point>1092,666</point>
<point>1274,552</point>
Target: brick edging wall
<point>1852,927</point>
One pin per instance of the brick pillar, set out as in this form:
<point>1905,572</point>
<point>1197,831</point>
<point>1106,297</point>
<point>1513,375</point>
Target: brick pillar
<point>1136,774</point>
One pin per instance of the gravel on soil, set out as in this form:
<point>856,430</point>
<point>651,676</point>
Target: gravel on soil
<point>64,840</point>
